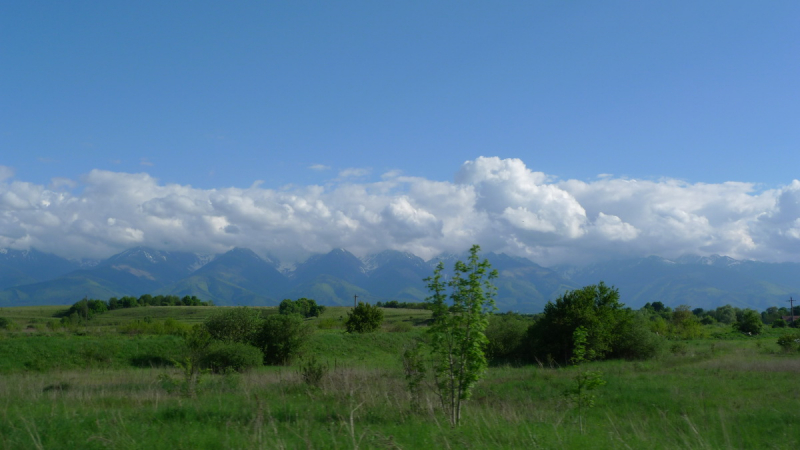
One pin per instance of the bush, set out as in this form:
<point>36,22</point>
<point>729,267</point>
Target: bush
<point>149,326</point>
<point>789,342</point>
<point>684,324</point>
<point>235,325</point>
<point>304,306</point>
<point>4,323</point>
<point>749,322</point>
<point>636,341</point>
<point>281,338</point>
<point>364,318</point>
<point>506,335</point>
<point>235,356</point>
<point>779,323</point>
<point>596,308</point>
<point>312,372</point>
<point>708,320</point>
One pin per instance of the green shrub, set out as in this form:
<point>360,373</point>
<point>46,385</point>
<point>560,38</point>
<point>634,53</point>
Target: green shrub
<point>636,341</point>
<point>749,322</point>
<point>596,308</point>
<point>149,326</point>
<point>684,324</point>
<point>4,323</point>
<point>506,335</point>
<point>235,324</point>
<point>306,307</point>
<point>281,338</point>
<point>708,320</point>
<point>779,323</point>
<point>789,342</point>
<point>312,371</point>
<point>364,318</point>
<point>234,356</point>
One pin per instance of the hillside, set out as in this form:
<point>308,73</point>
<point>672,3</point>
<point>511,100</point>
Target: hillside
<point>241,277</point>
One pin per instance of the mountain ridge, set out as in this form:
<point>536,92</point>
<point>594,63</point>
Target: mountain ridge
<point>240,276</point>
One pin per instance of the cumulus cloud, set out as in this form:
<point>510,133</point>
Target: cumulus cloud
<point>500,204</point>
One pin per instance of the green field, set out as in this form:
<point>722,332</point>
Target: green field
<point>93,387</point>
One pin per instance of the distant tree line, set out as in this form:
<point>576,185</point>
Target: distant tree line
<point>85,309</point>
<point>403,305</point>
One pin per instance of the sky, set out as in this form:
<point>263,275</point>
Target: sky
<point>559,131</point>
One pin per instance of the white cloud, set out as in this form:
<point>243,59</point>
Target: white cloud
<point>319,167</point>
<point>6,173</point>
<point>354,172</point>
<point>498,203</point>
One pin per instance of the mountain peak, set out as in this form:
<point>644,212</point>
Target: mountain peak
<point>711,260</point>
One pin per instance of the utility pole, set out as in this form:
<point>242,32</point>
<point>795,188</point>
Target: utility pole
<point>355,301</point>
<point>791,309</point>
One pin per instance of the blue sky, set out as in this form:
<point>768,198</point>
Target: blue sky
<point>218,95</point>
<point>226,93</point>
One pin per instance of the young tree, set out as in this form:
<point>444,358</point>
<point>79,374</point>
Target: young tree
<point>586,381</point>
<point>281,337</point>
<point>457,334</point>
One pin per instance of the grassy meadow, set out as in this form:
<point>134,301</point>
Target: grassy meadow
<point>96,387</point>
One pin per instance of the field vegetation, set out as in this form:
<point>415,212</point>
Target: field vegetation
<point>122,380</point>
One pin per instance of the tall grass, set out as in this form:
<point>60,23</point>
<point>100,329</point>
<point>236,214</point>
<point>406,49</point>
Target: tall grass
<point>106,390</point>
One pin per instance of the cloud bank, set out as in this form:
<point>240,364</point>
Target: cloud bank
<point>500,204</point>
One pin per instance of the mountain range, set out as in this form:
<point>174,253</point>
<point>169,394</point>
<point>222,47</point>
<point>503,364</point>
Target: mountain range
<point>241,277</point>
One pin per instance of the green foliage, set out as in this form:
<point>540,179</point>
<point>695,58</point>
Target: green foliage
<point>679,348</point>
<point>708,320</point>
<point>506,336</point>
<point>303,306</point>
<point>364,318</point>
<point>685,324</point>
<point>281,338</point>
<point>87,308</point>
<point>596,308</point>
<point>636,341</point>
<point>586,381</point>
<point>394,304</point>
<point>225,357</point>
<point>166,326</point>
<point>239,324</point>
<point>4,323</point>
<point>457,334</point>
<point>779,323</point>
<point>725,314</point>
<point>196,343</point>
<point>399,327</point>
<point>749,322</point>
<point>312,371</point>
<point>329,323</point>
<point>789,342</point>
<point>415,371</point>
